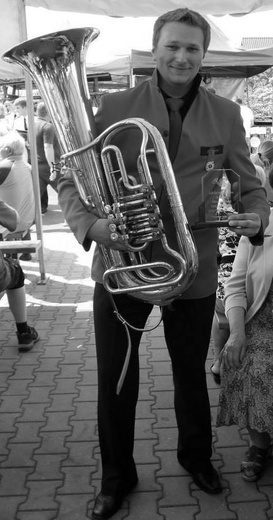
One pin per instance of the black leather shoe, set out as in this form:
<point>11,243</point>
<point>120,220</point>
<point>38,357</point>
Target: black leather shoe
<point>207,479</point>
<point>105,506</point>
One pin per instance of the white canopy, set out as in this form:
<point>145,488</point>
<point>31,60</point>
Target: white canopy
<point>152,7</point>
<point>13,13</point>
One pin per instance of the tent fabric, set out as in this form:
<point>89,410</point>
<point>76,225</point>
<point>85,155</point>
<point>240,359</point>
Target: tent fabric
<point>12,13</point>
<point>241,64</point>
<point>10,34</point>
<point>152,7</point>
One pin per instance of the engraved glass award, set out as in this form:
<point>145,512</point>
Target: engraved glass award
<point>220,196</point>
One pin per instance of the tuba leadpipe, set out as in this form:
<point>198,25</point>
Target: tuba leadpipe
<point>56,64</point>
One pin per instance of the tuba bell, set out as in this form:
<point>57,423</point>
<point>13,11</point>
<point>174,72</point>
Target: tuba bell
<point>56,63</point>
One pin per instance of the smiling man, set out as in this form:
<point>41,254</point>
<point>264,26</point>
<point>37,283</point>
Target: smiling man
<point>208,131</point>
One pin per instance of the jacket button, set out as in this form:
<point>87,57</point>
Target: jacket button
<point>165,133</point>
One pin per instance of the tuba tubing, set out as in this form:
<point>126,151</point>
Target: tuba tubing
<point>56,64</point>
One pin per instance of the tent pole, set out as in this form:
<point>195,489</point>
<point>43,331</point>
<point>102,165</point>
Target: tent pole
<point>132,79</point>
<point>33,151</point>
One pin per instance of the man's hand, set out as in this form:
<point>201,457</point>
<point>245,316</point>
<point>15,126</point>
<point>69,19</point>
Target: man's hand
<point>104,232</point>
<point>247,224</point>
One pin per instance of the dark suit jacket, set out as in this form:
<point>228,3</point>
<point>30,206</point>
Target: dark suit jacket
<point>212,130</point>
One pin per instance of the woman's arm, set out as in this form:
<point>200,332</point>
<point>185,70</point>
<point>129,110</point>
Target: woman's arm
<point>234,349</point>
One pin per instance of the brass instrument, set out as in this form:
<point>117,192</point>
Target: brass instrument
<point>56,63</point>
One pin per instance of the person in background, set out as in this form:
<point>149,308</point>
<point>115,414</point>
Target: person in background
<point>248,118</point>
<point>12,282</point>
<point>21,124</point>
<point>246,396</point>
<point>10,113</point>
<point>46,152</point>
<point>264,158</point>
<point>16,185</point>
<point>228,245</point>
<point>4,125</point>
<point>180,41</point>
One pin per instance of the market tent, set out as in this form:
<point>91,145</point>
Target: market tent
<point>237,64</point>
<point>152,7</point>
<point>13,14</point>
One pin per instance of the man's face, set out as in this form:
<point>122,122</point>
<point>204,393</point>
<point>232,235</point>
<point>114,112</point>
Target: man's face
<point>20,111</point>
<point>179,54</point>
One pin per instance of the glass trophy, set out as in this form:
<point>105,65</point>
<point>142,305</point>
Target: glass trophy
<point>220,195</point>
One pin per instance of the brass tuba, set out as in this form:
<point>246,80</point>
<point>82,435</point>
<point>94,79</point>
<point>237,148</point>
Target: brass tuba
<point>56,63</point>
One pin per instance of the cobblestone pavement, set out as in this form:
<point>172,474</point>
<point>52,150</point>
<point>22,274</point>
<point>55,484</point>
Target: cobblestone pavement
<point>49,454</point>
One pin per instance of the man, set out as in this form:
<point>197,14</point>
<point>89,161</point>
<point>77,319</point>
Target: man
<point>21,124</point>
<point>45,142</point>
<point>180,41</point>
<point>16,185</point>
<point>10,113</point>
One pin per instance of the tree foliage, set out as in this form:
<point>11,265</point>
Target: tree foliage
<point>259,94</point>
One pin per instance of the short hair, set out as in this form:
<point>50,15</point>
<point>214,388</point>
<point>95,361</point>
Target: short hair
<point>13,143</point>
<point>22,102</point>
<point>41,110</point>
<point>183,15</point>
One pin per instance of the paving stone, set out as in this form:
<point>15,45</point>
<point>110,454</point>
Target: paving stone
<point>76,481</point>
<point>84,411</point>
<point>9,507</point>
<point>11,403</point>
<point>7,421</point>
<point>144,429</point>
<point>80,453</point>
<point>176,491</point>
<point>163,399</point>
<point>73,507</point>
<point>169,465</point>
<point>88,377</point>
<point>57,421</point>
<point>87,393</point>
<point>48,467</point>
<point>149,501</point>
<point>144,451</point>
<point>144,410</point>
<point>13,481</point>
<point>27,432</point>
<point>165,418</point>
<point>179,513</point>
<point>39,394</point>
<point>33,411</point>
<point>249,510</point>
<point>41,496</point>
<point>61,402</point>
<point>242,491</point>
<point>83,430</point>
<point>20,455</point>
<point>35,515</point>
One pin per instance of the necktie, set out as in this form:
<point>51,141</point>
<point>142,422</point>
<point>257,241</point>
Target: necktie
<point>174,106</point>
<point>25,124</point>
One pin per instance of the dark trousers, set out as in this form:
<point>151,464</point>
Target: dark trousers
<point>44,175</point>
<point>187,325</point>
